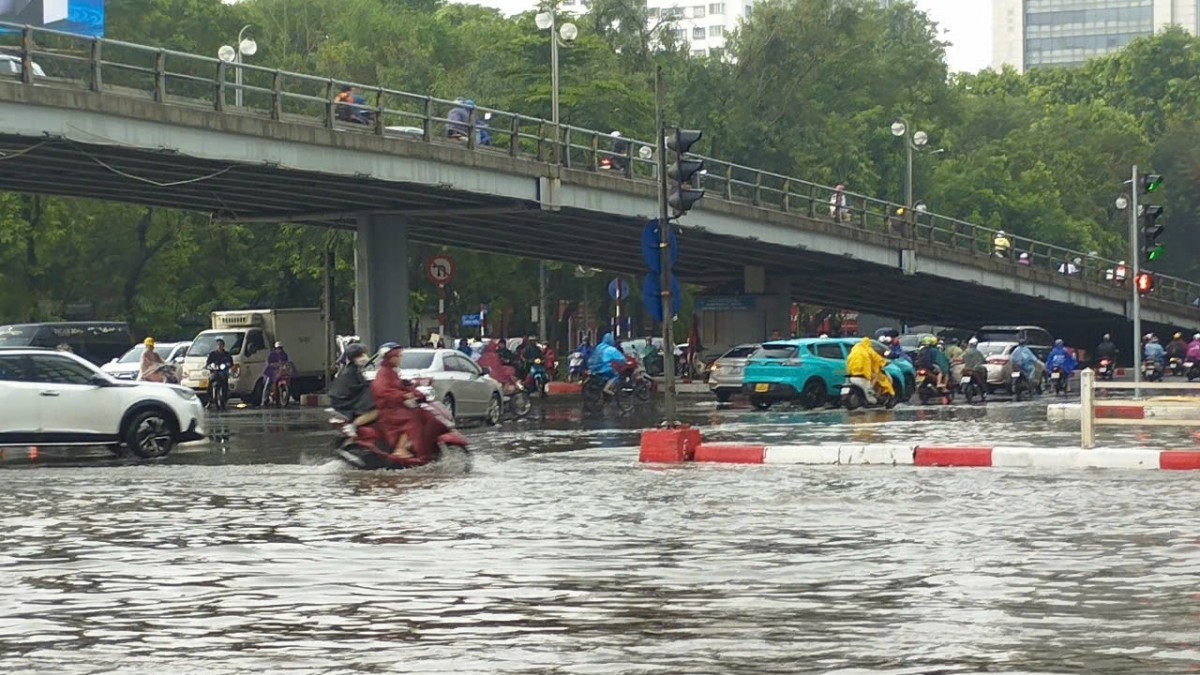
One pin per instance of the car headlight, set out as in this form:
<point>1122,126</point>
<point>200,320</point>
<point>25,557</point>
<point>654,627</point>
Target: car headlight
<point>185,394</point>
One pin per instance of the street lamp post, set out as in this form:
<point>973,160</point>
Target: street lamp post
<point>915,141</point>
<point>245,47</point>
<point>567,32</point>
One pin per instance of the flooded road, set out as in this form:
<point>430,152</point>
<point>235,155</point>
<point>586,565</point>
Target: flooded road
<point>559,553</point>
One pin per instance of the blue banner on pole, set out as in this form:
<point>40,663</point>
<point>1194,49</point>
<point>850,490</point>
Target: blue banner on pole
<point>652,296</point>
<point>651,243</point>
<point>472,320</point>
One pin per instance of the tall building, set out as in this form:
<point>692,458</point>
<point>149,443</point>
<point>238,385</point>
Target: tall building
<point>1034,33</point>
<point>702,24</point>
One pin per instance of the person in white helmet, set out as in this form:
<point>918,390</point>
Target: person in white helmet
<point>1001,245</point>
<point>975,365</point>
<point>620,152</point>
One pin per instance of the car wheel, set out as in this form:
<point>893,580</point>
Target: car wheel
<point>760,403</point>
<point>256,395</point>
<point>493,411</point>
<point>449,403</point>
<point>723,395</point>
<point>150,434</point>
<point>813,394</point>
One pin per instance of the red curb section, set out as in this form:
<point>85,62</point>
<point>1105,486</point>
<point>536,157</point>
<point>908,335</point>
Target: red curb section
<point>1179,460</point>
<point>731,454</point>
<point>1120,412</point>
<point>953,457</point>
<point>559,388</point>
<point>669,446</point>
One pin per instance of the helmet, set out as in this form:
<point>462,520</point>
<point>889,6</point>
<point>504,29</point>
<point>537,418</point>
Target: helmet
<point>1196,336</point>
<point>1058,342</point>
<point>278,344</point>
<point>149,342</point>
<point>1106,337</point>
<point>1178,336</point>
<point>615,134</point>
<point>1148,336</point>
<point>355,350</point>
<point>1022,342</point>
<point>999,233</point>
<point>387,347</point>
<point>1024,256</point>
<point>973,341</point>
<point>886,339</point>
<point>468,104</point>
<point>1078,261</point>
<point>928,341</point>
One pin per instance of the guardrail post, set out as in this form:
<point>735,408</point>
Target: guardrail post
<point>728,182</point>
<point>541,145</point>
<point>380,124</point>
<point>27,55</point>
<point>219,94</point>
<point>565,153</point>
<point>471,129</point>
<point>1087,409</point>
<point>787,196</point>
<point>277,95</point>
<point>595,151</point>
<point>97,62</point>
<point>812,200</point>
<point>428,121</point>
<point>629,159</point>
<point>160,76</point>
<point>330,107</point>
<point>757,188</point>
<point>514,137</point>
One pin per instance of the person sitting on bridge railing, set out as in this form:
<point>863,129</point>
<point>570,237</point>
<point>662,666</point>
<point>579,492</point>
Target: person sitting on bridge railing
<point>350,106</point>
<point>839,209</point>
<point>1001,245</point>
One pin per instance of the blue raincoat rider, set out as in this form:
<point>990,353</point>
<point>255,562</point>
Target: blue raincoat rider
<point>1060,357</point>
<point>602,360</point>
<point>1024,359</point>
<point>1153,350</point>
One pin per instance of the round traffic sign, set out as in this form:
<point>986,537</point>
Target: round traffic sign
<point>440,269</point>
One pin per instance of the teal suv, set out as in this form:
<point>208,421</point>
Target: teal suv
<point>811,371</point>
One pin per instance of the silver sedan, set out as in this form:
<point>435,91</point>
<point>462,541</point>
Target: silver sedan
<point>451,377</point>
<point>725,375</point>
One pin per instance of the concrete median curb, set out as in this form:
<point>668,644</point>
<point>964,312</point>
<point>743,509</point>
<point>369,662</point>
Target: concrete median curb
<point>674,446</point>
<point>1129,410</point>
<point>315,401</point>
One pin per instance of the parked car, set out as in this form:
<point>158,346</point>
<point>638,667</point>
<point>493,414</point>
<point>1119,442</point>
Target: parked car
<point>130,364</point>
<point>726,373</point>
<point>55,398</point>
<point>457,381</point>
<point>11,65</point>
<point>809,371</point>
<point>96,341</point>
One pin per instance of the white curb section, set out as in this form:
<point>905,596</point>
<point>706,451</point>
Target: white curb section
<point>887,455</point>
<point>1074,458</point>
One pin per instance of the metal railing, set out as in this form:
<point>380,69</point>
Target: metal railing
<point>1118,412</point>
<point>178,78</point>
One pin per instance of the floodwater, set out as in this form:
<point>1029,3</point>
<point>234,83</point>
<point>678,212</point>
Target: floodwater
<point>559,553</point>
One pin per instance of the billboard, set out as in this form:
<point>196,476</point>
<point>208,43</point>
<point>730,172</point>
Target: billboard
<point>85,17</point>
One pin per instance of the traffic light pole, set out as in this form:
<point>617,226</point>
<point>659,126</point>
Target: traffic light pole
<point>1135,267</point>
<point>664,233</point>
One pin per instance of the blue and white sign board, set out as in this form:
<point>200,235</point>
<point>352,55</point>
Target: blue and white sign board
<point>618,289</point>
<point>726,303</point>
<point>83,17</point>
<point>472,320</point>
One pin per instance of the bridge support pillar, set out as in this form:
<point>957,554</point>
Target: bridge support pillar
<point>381,280</point>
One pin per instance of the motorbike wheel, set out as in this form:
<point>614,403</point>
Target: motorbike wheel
<point>641,390</point>
<point>624,398</point>
<point>853,400</point>
<point>971,391</point>
<point>888,401</point>
<point>1023,391</point>
<point>285,396</point>
<point>924,394</point>
<point>593,395</point>
<point>520,404</point>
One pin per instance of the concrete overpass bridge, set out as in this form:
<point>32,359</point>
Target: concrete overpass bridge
<point>137,124</point>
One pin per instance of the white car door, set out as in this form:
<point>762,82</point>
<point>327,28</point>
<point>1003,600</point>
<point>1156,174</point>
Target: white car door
<point>20,418</point>
<point>73,409</point>
<point>481,389</point>
<point>456,377</point>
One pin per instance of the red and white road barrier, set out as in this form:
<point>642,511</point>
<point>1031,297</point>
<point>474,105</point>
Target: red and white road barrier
<point>685,445</point>
<point>315,400</point>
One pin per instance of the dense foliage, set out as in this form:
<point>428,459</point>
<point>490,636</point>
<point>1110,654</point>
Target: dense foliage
<point>808,88</point>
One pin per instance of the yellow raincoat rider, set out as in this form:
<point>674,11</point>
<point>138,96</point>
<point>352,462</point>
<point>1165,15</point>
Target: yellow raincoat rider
<point>866,363</point>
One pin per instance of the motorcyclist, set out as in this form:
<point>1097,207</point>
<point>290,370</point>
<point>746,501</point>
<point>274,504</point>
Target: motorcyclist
<point>934,359</point>
<point>550,361</point>
<point>219,357</point>
<point>868,364</point>
<point>1193,351</point>
<point>895,351</point>
<point>276,360</point>
<point>464,346</point>
<point>1177,348</point>
<point>152,364</point>
<point>1106,349</point>
<point>530,351</point>
<point>974,364</point>
<point>492,361</point>
<point>608,362</point>
<point>620,151</point>
<point>1024,360</point>
<point>398,401</point>
<point>1001,244</point>
<point>1061,357</point>
<point>350,394</point>
<point>1154,351</point>
<point>954,356</point>
<point>459,119</point>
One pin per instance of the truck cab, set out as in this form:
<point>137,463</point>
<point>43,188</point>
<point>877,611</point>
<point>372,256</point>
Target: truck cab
<point>247,344</point>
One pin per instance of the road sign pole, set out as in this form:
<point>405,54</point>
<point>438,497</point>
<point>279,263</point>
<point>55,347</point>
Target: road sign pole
<point>664,232</point>
<point>442,313</point>
<point>1135,268</point>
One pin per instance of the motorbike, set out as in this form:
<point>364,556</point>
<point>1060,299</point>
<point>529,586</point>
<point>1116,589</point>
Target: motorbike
<point>279,393</point>
<point>1060,380</point>
<point>858,392</point>
<point>218,386</point>
<point>1192,369</point>
<point>1175,366</point>
<point>362,452</point>
<point>538,378</point>
<point>1105,369</point>
<point>639,383</point>
<point>1022,388</point>
<point>928,389</point>
<point>972,386</point>
<point>576,367</point>
<point>170,373</point>
<point>1151,370</point>
<point>516,401</point>
<point>595,397</point>
<point>653,362</point>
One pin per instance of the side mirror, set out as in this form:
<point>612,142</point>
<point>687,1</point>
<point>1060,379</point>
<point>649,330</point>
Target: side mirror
<point>114,359</point>
<point>101,381</point>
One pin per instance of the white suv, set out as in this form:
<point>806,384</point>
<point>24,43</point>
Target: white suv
<point>57,398</point>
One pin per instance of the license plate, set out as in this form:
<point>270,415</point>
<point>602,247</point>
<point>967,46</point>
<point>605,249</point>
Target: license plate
<point>1104,369</point>
<point>762,387</point>
<point>1016,375</point>
<point>202,383</point>
<point>965,380</point>
<point>1188,364</point>
<point>845,391</point>
<point>1055,376</point>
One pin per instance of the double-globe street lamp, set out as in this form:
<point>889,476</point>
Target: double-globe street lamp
<point>563,35</point>
<point>912,141</point>
<point>245,47</point>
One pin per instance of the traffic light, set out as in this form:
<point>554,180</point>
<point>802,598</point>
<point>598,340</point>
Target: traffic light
<point>1151,231</point>
<point>1151,182</point>
<point>681,196</point>
<point>1144,283</point>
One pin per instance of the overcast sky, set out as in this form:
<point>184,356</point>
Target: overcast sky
<point>967,24</point>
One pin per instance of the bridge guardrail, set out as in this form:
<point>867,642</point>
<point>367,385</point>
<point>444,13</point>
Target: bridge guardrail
<point>166,76</point>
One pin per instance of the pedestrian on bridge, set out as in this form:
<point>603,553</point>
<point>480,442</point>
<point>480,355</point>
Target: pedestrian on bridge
<point>1070,267</point>
<point>839,208</point>
<point>1001,245</point>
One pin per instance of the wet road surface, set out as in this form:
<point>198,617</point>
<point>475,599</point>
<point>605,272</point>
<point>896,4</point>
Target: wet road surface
<point>559,553</point>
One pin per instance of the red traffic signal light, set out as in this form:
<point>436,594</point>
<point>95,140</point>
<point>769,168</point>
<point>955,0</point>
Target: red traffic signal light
<point>1144,282</point>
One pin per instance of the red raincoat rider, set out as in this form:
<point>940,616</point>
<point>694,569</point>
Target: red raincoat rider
<point>405,426</point>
